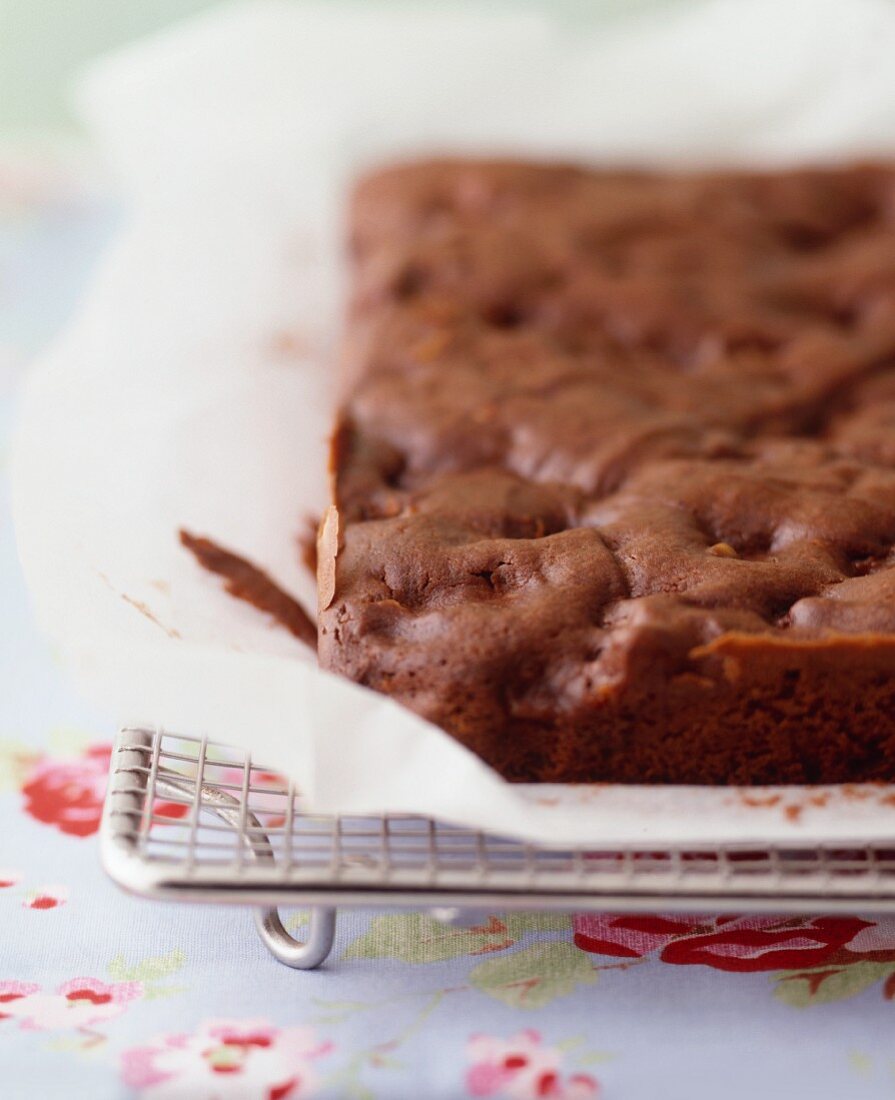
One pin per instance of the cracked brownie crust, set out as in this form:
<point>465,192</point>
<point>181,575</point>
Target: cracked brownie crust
<point>615,474</point>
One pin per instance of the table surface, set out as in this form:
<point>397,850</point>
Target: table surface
<point>104,995</point>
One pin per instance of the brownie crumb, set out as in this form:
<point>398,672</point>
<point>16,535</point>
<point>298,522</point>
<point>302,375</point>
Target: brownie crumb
<point>249,583</point>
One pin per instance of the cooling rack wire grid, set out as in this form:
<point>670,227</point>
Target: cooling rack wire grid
<point>189,819</point>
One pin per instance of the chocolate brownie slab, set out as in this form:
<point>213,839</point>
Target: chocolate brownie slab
<point>614,476</point>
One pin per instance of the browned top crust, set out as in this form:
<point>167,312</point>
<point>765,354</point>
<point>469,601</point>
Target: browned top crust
<point>599,420</point>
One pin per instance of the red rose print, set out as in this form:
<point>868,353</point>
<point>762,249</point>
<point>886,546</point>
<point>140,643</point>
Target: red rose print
<point>629,936</point>
<point>740,943</point>
<point>523,1067</point>
<point>170,811</point>
<point>230,1058</point>
<point>69,793</point>
<point>79,1003</point>
<point>48,897</point>
<point>749,944</point>
<point>88,995</point>
<point>11,992</point>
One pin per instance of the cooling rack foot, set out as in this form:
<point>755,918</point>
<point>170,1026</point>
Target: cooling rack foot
<point>288,950</point>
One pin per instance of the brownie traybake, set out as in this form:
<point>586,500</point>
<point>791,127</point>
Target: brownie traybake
<point>614,477</point>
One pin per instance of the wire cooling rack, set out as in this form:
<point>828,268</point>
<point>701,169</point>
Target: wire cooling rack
<point>190,819</point>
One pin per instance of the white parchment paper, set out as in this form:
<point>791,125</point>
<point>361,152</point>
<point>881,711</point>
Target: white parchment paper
<point>194,387</point>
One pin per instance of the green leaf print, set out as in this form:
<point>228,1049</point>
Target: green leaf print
<point>16,762</point>
<point>148,970</point>
<point>336,1012</point>
<point>535,976</point>
<point>417,938</point>
<point>156,992</point>
<point>65,741</point>
<point>521,924</point>
<point>801,988</point>
<point>595,1057</point>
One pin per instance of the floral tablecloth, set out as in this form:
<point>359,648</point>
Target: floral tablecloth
<point>103,995</point>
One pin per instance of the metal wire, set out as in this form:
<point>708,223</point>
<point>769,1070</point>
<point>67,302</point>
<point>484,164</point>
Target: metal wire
<point>193,819</point>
